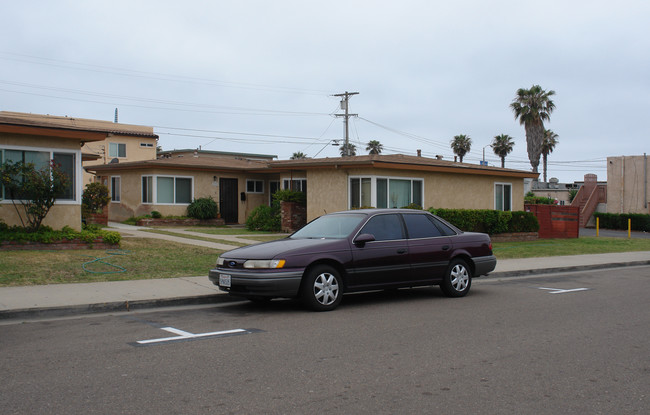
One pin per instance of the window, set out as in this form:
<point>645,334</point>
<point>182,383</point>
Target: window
<point>41,160</point>
<point>115,188</point>
<point>297,185</point>
<point>421,226</point>
<point>254,186</point>
<point>145,145</point>
<point>116,150</point>
<point>384,228</point>
<point>173,190</point>
<point>147,189</point>
<point>385,192</point>
<point>503,196</point>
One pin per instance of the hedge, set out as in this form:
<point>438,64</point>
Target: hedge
<point>47,235</point>
<point>489,221</point>
<point>640,222</point>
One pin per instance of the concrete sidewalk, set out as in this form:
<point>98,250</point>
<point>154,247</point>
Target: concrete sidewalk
<point>71,299</point>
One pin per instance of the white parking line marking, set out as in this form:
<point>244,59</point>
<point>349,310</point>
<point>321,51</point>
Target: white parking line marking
<point>561,291</point>
<point>184,335</point>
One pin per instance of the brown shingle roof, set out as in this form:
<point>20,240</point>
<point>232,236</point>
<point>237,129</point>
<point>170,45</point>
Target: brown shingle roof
<point>398,161</point>
<point>186,163</point>
<point>77,124</point>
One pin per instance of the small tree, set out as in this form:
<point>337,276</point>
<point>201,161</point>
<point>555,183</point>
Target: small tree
<point>35,190</point>
<point>298,155</point>
<point>94,198</point>
<point>374,147</point>
<point>461,145</point>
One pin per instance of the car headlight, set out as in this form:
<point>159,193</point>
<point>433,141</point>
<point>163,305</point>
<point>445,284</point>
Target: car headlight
<point>220,261</point>
<point>264,263</point>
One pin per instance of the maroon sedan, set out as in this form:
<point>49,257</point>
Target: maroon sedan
<point>357,250</point>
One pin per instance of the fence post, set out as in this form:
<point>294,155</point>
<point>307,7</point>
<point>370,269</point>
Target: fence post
<point>629,228</point>
<point>597,226</point>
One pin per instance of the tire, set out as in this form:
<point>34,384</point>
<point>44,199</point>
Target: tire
<point>322,288</point>
<point>457,280</point>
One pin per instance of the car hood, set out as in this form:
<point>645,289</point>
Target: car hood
<point>286,247</point>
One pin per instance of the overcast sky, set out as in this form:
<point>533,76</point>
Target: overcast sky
<point>258,76</point>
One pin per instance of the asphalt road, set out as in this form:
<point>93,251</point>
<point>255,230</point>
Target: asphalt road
<point>564,343</point>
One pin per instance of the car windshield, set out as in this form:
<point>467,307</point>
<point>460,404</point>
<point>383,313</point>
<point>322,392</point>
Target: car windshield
<point>330,226</point>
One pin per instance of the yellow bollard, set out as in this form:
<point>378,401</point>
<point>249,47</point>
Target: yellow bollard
<point>597,226</point>
<point>629,228</point>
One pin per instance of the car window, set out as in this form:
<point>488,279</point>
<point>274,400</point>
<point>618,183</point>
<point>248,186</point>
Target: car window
<point>446,230</point>
<point>420,226</point>
<point>330,226</point>
<point>384,228</point>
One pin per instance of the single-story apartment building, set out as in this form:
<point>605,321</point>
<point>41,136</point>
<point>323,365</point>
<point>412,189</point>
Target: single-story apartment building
<point>242,183</point>
<point>37,139</point>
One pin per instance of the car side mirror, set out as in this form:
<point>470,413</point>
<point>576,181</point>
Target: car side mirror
<point>364,238</point>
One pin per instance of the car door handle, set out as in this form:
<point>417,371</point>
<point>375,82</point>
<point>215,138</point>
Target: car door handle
<point>445,247</point>
<point>401,251</point>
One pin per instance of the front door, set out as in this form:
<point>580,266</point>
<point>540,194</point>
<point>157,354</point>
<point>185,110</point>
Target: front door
<point>228,200</point>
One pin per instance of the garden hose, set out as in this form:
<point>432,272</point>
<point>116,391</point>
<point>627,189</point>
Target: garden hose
<point>111,253</point>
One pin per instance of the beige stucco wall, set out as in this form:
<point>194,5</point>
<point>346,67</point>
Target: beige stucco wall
<point>328,189</point>
<point>133,151</point>
<point>61,214</point>
<point>626,179</point>
<point>204,185</point>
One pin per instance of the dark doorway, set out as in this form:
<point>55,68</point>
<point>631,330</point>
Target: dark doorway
<point>228,200</point>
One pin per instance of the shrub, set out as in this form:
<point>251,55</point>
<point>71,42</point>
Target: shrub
<point>488,221</point>
<point>264,218</point>
<point>639,222</point>
<point>414,206</point>
<point>202,208</point>
<point>155,214</point>
<point>290,196</point>
<point>534,200</point>
<point>94,198</point>
<point>47,235</point>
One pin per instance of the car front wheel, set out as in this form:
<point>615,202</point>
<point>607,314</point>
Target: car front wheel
<point>322,288</point>
<point>457,280</point>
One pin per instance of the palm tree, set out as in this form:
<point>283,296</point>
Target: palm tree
<point>461,144</point>
<point>348,149</point>
<point>502,146</point>
<point>533,106</point>
<point>298,155</point>
<point>549,143</point>
<point>374,147</point>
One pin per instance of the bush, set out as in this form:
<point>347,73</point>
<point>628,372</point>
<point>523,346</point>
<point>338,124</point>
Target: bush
<point>202,208</point>
<point>640,222</point>
<point>47,235</point>
<point>534,200</point>
<point>413,206</point>
<point>289,196</point>
<point>155,214</point>
<point>488,221</point>
<point>94,198</point>
<point>264,218</point>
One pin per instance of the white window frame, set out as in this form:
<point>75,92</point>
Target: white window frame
<point>78,170</point>
<point>155,189</point>
<point>373,187</point>
<point>503,193</point>
<point>255,183</point>
<point>116,198</point>
<point>294,179</point>
<point>118,150</point>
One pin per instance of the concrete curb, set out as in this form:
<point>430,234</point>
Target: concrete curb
<point>525,272</point>
<point>116,306</point>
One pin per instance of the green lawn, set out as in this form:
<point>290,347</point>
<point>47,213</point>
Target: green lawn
<point>226,231</point>
<point>579,246</point>
<point>141,259</point>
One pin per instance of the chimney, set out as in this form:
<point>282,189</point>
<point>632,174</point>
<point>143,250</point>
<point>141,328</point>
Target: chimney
<point>438,156</point>
<point>419,153</point>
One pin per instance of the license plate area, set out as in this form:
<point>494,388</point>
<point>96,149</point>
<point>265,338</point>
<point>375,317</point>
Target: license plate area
<point>225,280</point>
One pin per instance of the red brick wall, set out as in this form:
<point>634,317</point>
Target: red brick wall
<point>294,216</point>
<point>556,221</point>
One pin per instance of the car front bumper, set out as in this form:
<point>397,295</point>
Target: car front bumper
<point>258,283</point>
<point>484,265</point>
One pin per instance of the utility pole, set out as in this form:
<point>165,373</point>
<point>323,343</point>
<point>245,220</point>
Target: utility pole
<point>344,106</point>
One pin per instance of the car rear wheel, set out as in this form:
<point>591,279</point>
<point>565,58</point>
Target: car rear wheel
<point>457,280</point>
<point>322,288</point>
